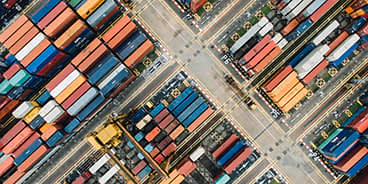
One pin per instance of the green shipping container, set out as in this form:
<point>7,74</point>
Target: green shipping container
<point>5,87</point>
<point>74,3</point>
<point>19,78</point>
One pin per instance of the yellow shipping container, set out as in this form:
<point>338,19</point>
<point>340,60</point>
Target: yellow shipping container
<point>89,7</point>
<point>302,93</point>
<point>290,94</point>
<point>32,115</point>
<point>70,89</point>
<point>281,89</point>
<point>174,134</point>
<point>45,127</point>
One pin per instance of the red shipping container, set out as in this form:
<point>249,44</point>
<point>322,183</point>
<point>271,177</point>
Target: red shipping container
<point>224,146</point>
<point>265,61</point>
<point>46,20</point>
<point>161,115</point>
<point>5,100</point>
<point>49,132</point>
<point>322,10</point>
<point>311,75</point>
<point>252,63</point>
<point>258,47</point>
<point>186,167</point>
<point>59,77</point>
<point>6,165</point>
<point>93,58</point>
<point>54,63</point>
<point>196,4</point>
<point>163,124</point>
<point>6,111</point>
<point>32,159</point>
<point>139,54</point>
<point>61,23</point>
<point>172,126</point>
<point>277,78</point>
<point>24,40</point>
<point>200,119</point>
<point>122,35</point>
<point>9,31</point>
<point>154,152</point>
<point>138,167</point>
<point>337,42</point>
<point>14,177</point>
<point>26,144</point>
<point>164,143</point>
<point>18,140</point>
<point>11,71</point>
<point>86,52</point>
<point>35,52</point>
<point>169,149</point>
<point>12,133</point>
<point>120,24</point>
<point>360,123</point>
<point>18,34</point>
<point>159,158</point>
<point>237,160</point>
<point>76,94</point>
<point>106,18</point>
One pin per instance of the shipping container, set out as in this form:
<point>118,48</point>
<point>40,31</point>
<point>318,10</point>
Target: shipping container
<point>237,160</point>
<point>142,123</point>
<point>23,109</point>
<point>252,63</point>
<point>197,153</point>
<point>356,25</point>
<point>144,172</point>
<point>302,54</point>
<point>288,28</point>
<point>13,132</point>
<point>346,138</point>
<point>190,109</point>
<point>121,36</point>
<point>32,115</point>
<point>50,131</point>
<point>277,78</point>
<point>171,126</point>
<point>225,146</point>
<point>5,87</point>
<point>52,15</point>
<point>97,165</point>
<point>67,91</point>
<point>76,95</point>
<point>186,167</point>
<point>185,104</point>
<point>344,56</point>
<point>289,95</point>
<point>152,134</point>
<point>8,74</point>
<point>65,83</point>
<point>40,61</point>
<point>351,158</point>
<point>258,47</point>
<point>119,77</point>
<point>141,164</point>
<point>101,68</point>
<point>161,115</point>
<point>165,122</point>
<point>18,34</point>
<point>14,177</point>
<point>47,108</point>
<point>109,174</point>
<point>30,46</point>
<point>37,122</point>
<point>187,122</point>
<point>157,109</point>
<point>56,115</point>
<point>82,101</point>
<point>178,130</point>
<point>164,143</point>
<point>363,31</point>
<point>358,166</point>
<point>337,41</point>
<point>325,32</point>
<point>169,149</point>
<point>54,139</point>
<point>230,153</point>
<point>101,13</point>
<point>290,6</point>
<point>115,29</point>
<point>33,147</point>
<point>360,123</point>
<point>267,28</point>
<point>26,144</point>
<point>18,140</point>
<point>69,128</point>
<point>24,40</point>
<point>139,54</point>
<point>343,47</point>
<point>68,36</point>
<point>6,163</point>
<point>39,11</point>
<point>12,28</point>
<point>178,100</point>
<point>93,58</point>
<point>5,112</point>
<point>223,179</point>
<point>322,10</point>
<point>138,115</point>
<point>91,107</point>
<point>33,158</point>
<point>309,62</point>
<point>154,152</point>
<point>283,87</point>
<point>200,120</point>
<point>130,45</point>
<point>317,70</point>
<point>311,9</point>
<point>298,97</point>
<point>89,7</point>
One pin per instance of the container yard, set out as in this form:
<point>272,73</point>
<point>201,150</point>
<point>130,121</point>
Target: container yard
<point>183,91</point>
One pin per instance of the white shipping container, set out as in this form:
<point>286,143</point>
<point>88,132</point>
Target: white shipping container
<point>343,47</point>
<point>301,6</point>
<point>47,108</point>
<point>197,154</point>
<point>109,174</point>
<point>282,43</point>
<point>95,167</point>
<point>142,123</point>
<point>30,46</point>
<point>325,32</point>
<point>289,7</point>
<point>23,109</point>
<point>311,61</point>
<point>82,101</point>
<point>313,7</point>
<point>277,37</point>
<point>65,83</point>
<point>267,28</point>
<point>54,114</point>
<point>249,34</point>
<point>109,77</point>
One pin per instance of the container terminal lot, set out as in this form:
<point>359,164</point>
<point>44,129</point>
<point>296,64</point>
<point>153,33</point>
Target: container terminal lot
<point>269,138</point>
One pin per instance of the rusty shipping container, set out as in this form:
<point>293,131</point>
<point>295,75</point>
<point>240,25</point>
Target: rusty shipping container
<point>277,78</point>
<point>161,115</point>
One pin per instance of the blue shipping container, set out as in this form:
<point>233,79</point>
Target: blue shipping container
<point>195,115</point>
<point>359,23</point>
<point>303,26</point>
<point>190,109</point>
<point>72,125</point>
<point>91,107</point>
<point>180,98</point>
<point>130,144</point>
<point>230,153</point>
<point>34,82</point>
<point>139,136</point>
<point>41,60</point>
<point>43,10</point>
<point>102,68</point>
<point>144,172</point>
<point>140,156</point>
<point>138,115</point>
<point>344,56</point>
<point>55,138</point>
<point>358,166</point>
<point>130,45</point>
<point>157,109</point>
<point>356,114</point>
<point>37,123</point>
<point>148,148</point>
<point>307,49</point>
<point>185,104</point>
<point>45,97</point>
<point>27,152</point>
<point>79,43</point>
<point>340,143</point>
<point>101,12</point>
<point>10,60</point>
<point>120,78</point>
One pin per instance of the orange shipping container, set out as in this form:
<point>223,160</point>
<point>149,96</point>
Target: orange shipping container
<point>154,152</point>
<point>122,35</point>
<point>290,94</point>
<point>24,40</point>
<point>6,165</point>
<point>277,78</point>
<point>70,89</point>
<point>18,34</point>
<point>178,179</point>
<point>294,100</point>
<point>272,55</point>
<point>186,167</point>
<point>89,7</point>
<point>18,140</point>
<point>49,132</point>
<point>252,63</point>
<point>26,144</point>
<point>61,23</point>
<point>336,42</point>
<point>35,52</point>
<point>86,52</point>
<point>70,34</point>
<point>6,111</point>
<point>152,134</point>
<point>351,158</point>
<point>119,25</point>
<point>174,134</point>
<point>200,119</point>
<point>14,177</point>
<point>45,127</point>
<point>284,86</point>
<point>288,87</point>
<point>32,159</point>
<point>9,31</point>
<point>288,28</point>
<point>169,149</point>
<point>139,54</point>
<point>237,160</point>
<point>224,146</point>
<point>93,58</point>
